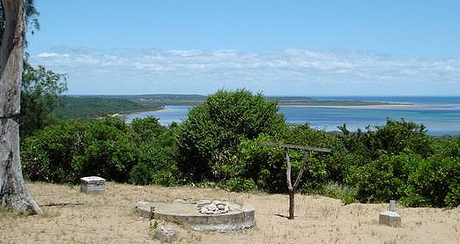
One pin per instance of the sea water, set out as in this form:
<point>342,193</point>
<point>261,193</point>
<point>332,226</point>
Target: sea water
<point>440,115</point>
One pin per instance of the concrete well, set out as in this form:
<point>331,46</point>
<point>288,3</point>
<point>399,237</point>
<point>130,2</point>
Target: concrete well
<point>186,213</point>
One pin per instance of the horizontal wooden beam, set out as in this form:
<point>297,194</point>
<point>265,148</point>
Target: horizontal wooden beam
<point>314,149</point>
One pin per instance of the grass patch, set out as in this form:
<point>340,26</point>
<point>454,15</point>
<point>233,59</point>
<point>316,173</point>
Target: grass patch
<point>334,190</point>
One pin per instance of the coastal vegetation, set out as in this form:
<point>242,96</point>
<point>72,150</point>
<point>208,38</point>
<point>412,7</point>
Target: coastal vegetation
<point>90,107</point>
<point>219,145</point>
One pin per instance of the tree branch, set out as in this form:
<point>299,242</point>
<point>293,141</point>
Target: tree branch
<point>302,169</point>
<point>288,171</point>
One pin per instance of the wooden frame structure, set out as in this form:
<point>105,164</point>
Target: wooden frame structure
<point>292,188</point>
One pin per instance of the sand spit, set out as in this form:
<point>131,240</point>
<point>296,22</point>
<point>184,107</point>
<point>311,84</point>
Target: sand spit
<point>381,106</point>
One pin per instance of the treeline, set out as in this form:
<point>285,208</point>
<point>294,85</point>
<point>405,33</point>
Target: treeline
<point>90,107</point>
<point>219,144</point>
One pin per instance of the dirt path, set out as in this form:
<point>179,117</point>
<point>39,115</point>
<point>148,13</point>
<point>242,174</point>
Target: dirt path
<point>110,218</point>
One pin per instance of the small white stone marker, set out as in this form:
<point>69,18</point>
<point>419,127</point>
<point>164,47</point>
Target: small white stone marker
<point>390,217</point>
<point>164,234</point>
<point>92,185</point>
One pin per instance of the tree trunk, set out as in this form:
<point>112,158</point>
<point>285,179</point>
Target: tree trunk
<point>291,204</point>
<point>289,185</point>
<point>13,193</point>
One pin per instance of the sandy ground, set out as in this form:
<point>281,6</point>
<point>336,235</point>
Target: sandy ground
<point>110,218</point>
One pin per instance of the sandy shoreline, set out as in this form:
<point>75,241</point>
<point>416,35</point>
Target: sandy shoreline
<point>383,106</point>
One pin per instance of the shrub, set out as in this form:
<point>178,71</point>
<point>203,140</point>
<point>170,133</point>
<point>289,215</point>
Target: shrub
<point>141,174</point>
<point>436,182</point>
<point>143,153</point>
<point>55,153</point>
<point>383,179</point>
<point>148,173</point>
<point>157,164</point>
<point>109,151</point>
<point>321,167</point>
<point>240,185</point>
<point>147,129</point>
<point>399,160</point>
<point>66,151</point>
<point>398,136</point>
<point>210,135</point>
<point>264,165</point>
<point>339,191</point>
<point>393,138</point>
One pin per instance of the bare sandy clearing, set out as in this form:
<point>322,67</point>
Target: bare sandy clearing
<point>110,218</point>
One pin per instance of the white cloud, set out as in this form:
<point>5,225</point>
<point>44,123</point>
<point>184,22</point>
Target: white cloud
<point>52,55</point>
<point>291,71</point>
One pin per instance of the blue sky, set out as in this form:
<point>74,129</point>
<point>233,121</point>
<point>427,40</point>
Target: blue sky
<point>277,47</point>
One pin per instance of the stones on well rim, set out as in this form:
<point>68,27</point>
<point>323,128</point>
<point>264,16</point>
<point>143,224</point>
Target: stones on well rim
<point>203,202</point>
<point>92,185</point>
<point>215,207</point>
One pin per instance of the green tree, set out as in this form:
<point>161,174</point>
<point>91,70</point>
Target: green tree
<point>211,134</point>
<point>147,129</point>
<point>40,92</point>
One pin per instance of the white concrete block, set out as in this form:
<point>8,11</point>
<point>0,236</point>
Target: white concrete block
<point>92,185</point>
<point>390,218</point>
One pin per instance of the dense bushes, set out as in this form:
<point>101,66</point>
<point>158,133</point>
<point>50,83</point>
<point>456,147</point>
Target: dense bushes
<point>383,179</point>
<point>53,153</point>
<point>263,165</point>
<point>266,165</point>
<point>393,138</point>
<point>106,147</point>
<point>211,134</point>
<point>220,145</point>
<point>158,153</point>
<point>411,166</point>
<point>436,180</point>
<point>67,151</point>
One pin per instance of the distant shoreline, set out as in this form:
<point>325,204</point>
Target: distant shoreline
<point>370,106</point>
<point>88,107</point>
<point>123,114</point>
<point>346,106</point>
<point>439,118</point>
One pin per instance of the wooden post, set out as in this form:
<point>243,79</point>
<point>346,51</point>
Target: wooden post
<point>292,188</point>
<point>289,184</point>
<point>291,205</point>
